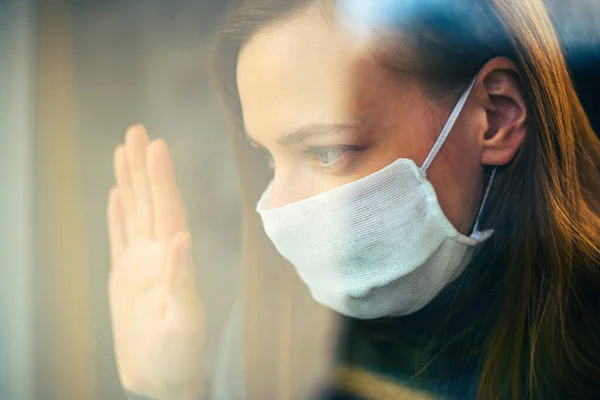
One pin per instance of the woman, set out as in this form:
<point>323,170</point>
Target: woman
<point>436,183</point>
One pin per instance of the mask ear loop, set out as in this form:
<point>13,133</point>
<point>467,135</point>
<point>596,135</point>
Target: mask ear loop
<point>442,138</point>
<point>447,128</point>
<point>485,196</point>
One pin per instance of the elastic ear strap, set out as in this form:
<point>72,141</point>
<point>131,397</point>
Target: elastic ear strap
<point>447,128</point>
<point>485,196</point>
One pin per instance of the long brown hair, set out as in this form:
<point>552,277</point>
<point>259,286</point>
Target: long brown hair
<point>544,206</point>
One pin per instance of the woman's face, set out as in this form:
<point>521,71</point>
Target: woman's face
<point>328,114</point>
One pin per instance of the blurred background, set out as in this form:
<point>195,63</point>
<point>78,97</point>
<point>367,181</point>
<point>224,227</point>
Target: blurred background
<point>73,76</point>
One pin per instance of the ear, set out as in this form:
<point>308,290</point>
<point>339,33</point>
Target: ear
<point>506,112</point>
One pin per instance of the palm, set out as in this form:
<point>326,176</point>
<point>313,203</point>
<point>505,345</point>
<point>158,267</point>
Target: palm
<point>157,315</point>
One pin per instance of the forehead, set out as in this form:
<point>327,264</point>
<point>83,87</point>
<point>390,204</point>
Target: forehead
<point>302,71</point>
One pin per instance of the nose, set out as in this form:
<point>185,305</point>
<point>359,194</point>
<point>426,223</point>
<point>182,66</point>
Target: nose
<point>284,191</point>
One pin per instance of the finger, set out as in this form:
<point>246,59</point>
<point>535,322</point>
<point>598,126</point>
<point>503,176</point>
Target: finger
<point>136,143</point>
<point>169,211</point>
<point>123,177</point>
<point>179,273</point>
<point>116,225</point>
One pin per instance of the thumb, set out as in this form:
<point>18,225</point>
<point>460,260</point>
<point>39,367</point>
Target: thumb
<point>180,269</point>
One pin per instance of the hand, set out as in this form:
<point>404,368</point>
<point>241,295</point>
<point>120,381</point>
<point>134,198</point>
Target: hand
<point>158,320</point>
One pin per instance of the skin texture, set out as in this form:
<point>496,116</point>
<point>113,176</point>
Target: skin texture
<point>311,71</point>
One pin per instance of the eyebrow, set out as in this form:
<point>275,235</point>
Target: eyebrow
<point>305,133</point>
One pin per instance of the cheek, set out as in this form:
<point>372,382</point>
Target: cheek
<point>403,124</point>
<point>283,193</point>
<point>450,190</point>
<point>398,118</point>
<point>457,176</point>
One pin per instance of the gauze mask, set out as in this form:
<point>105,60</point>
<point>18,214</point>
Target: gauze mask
<point>379,246</point>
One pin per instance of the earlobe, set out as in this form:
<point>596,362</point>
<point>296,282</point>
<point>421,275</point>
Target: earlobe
<point>507,114</point>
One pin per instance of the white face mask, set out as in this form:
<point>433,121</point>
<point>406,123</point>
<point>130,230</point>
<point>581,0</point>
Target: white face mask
<point>378,246</point>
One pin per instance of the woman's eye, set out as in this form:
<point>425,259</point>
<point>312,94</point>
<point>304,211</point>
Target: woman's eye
<point>328,156</point>
<point>332,160</point>
<point>338,160</point>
